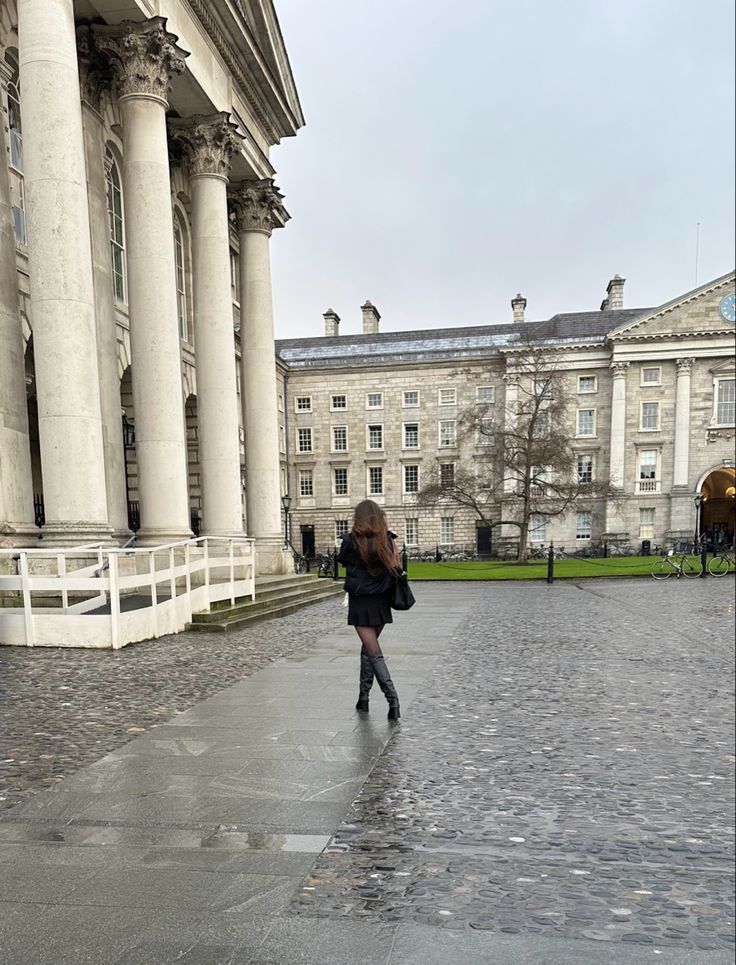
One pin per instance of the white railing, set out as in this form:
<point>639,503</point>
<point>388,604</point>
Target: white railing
<point>99,596</point>
<point>648,485</point>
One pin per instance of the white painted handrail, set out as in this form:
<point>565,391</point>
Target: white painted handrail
<point>120,602</point>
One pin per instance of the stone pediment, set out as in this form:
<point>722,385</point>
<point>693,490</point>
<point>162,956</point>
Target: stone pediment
<point>696,313</point>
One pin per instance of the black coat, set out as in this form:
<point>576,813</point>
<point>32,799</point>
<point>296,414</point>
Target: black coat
<point>360,582</point>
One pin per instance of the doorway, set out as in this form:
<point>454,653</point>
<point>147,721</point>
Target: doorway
<point>483,540</point>
<point>307,531</point>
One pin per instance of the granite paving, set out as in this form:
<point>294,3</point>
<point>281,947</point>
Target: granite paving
<point>567,770</point>
<point>61,709</point>
<point>558,791</point>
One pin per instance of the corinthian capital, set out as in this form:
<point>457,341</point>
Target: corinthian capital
<point>205,143</point>
<point>619,369</point>
<point>684,366</point>
<point>258,206</point>
<point>95,73</point>
<point>144,56</point>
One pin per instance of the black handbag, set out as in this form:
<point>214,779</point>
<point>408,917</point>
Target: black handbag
<point>403,598</point>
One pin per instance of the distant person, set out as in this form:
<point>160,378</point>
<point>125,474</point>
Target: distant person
<point>371,559</point>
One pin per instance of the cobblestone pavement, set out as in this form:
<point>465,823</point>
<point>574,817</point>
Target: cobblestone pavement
<point>566,772</point>
<point>62,709</point>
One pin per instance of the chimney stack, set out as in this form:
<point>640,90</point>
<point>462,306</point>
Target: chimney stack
<point>519,305</point>
<point>614,294</point>
<point>371,318</point>
<point>332,322</point>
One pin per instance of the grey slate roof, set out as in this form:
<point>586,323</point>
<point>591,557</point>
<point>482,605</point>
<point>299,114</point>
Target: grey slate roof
<point>468,342</point>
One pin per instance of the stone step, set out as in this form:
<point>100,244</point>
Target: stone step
<point>266,600</point>
<point>265,610</point>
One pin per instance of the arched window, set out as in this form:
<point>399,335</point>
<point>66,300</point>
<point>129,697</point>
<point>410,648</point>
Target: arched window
<point>181,278</point>
<point>117,227</point>
<point>17,192</point>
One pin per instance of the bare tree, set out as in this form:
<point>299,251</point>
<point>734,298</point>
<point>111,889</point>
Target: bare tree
<point>532,467</point>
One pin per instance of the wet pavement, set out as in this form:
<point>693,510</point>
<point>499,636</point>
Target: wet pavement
<point>559,789</point>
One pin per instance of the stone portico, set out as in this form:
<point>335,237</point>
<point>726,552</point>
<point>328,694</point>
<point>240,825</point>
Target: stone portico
<point>136,211</point>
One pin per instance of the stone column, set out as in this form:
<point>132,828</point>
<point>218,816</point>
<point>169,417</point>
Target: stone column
<point>618,424</point>
<point>207,145</point>
<point>144,56</point>
<point>62,300</point>
<point>259,210</point>
<point>614,519</point>
<point>95,79</point>
<point>16,486</point>
<point>682,424</point>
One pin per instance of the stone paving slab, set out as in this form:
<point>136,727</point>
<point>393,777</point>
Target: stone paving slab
<point>127,883</point>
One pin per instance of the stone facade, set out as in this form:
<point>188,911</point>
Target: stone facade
<point>644,385</point>
<point>134,145</point>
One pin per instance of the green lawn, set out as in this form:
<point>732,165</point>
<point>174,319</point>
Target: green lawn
<point>536,570</point>
<point>570,569</point>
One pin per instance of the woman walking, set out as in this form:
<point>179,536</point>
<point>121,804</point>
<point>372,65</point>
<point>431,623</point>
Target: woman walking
<point>371,559</point>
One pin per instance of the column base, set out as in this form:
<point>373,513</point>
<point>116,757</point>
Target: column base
<point>160,537</point>
<point>19,536</point>
<point>70,534</point>
<point>272,558</point>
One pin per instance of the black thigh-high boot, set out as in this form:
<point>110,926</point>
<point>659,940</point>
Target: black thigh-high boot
<point>366,681</point>
<point>387,686</point>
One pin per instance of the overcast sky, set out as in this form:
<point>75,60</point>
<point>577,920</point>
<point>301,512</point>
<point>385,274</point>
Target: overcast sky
<point>456,153</point>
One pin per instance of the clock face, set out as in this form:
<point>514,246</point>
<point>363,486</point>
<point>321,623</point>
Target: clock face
<point>728,308</point>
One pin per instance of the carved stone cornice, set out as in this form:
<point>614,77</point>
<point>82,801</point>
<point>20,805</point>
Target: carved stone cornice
<point>619,369</point>
<point>258,206</point>
<point>205,143</point>
<point>143,56</point>
<point>95,72</point>
<point>684,365</point>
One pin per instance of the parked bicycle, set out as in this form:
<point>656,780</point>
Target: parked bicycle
<point>680,565</point>
<point>325,565</point>
<point>721,564</point>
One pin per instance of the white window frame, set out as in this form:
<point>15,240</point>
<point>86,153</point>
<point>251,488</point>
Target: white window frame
<point>411,523</point>
<point>410,405</point>
<point>409,492</point>
<point>338,408</point>
<point>15,150</point>
<point>342,528</point>
<point>591,457</point>
<point>369,489</point>
<point>447,528</point>
<point>718,381</point>
<point>116,224</point>
<point>368,446</point>
<point>538,529</point>
<point>648,484</point>
<point>650,368</point>
<point>335,471</point>
<point>443,466</point>
<point>280,402</point>
<point>447,396</point>
<point>304,429</point>
<point>405,444</point>
<point>302,408</point>
<point>485,388</point>
<point>586,435</point>
<point>453,443</point>
<point>646,527</point>
<point>180,263</point>
<point>378,395</point>
<point>582,391</point>
<point>306,476</point>
<point>587,532</point>
<point>282,440</point>
<point>334,447</point>
<point>657,427</point>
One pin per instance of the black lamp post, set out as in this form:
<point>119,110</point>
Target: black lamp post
<point>286,503</point>
<point>697,499</point>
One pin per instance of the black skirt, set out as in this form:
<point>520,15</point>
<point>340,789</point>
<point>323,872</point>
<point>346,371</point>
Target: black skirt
<point>369,611</point>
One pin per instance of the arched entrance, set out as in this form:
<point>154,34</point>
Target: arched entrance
<point>718,506</point>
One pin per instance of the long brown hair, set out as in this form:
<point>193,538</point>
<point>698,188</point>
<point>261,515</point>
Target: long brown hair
<point>370,533</point>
